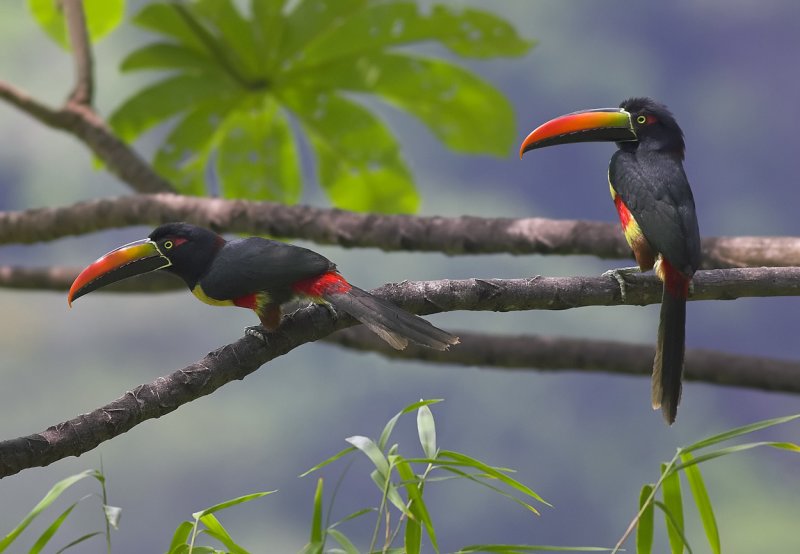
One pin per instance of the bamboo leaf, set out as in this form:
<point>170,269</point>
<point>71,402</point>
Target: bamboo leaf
<point>371,450</point>
<point>389,427</point>
<point>216,530</point>
<point>229,503</point>
<point>333,458</point>
<point>316,518</point>
<point>181,536</point>
<point>644,529</point>
<point>347,546</point>
<point>739,431</point>
<point>671,489</point>
<point>426,428</point>
<point>416,502</point>
<point>703,503</point>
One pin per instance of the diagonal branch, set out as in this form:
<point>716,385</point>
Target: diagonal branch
<point>239,359</point>
<point>450,235</point>
<point>528,352</point>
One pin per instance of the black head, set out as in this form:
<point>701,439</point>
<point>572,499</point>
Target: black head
<point>190,248</point>
<point>654,125</point>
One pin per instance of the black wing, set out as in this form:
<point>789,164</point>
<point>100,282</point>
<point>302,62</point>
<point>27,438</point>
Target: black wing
<point>255,264</point>
<point>655,189</point>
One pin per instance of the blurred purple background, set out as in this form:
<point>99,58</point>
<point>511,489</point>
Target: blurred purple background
<point>586,442</point>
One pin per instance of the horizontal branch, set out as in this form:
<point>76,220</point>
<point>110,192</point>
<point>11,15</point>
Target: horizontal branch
<point>527,352</point>
<point>499,295</point>
<point>451,235</point>
<point>239,359</point>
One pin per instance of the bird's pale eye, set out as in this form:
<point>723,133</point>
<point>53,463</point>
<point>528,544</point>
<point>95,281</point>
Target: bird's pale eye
<point>168,244</point>
<point>646,119</point>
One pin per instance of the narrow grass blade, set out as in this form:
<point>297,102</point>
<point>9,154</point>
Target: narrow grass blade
<point>387,430</point>
<point>416,502</point>
<point>478,480</point>
<point>45,537</point>
<point>365,445</point>
<point>48,499</point>
<point>671,522</point>
<point>390,491</point>
<point>671,488</point>
<point>426,428</point>
<point>347,546</point>
<point>644,529</point>
<point>316,518</point>
<point>79,540</point>
<point>229,503</point>
<point>703,503</point>
<point>490,471</point>
<point>333,458</point>
<point>215,529</point>
<point>732,433</point>
<point>354,515</point>
<point>733,449</point>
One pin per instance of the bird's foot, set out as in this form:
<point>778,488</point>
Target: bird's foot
<point>619,276</point>
<point>257,331</point>
<point>331,310</point>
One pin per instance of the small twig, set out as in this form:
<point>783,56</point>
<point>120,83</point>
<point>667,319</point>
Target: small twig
<point>83,92</point>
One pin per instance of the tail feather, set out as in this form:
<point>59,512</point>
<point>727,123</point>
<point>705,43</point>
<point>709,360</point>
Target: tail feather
<point>393,324</point>
<point>668,363</point>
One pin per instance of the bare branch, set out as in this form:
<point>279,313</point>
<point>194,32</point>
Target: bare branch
<point>529,352</point>
<point>498,295</point>
<point>237,360</point>
<point>75,17</point>
<point>450,235</point>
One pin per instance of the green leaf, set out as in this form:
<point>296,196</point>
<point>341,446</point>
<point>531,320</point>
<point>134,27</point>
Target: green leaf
<point>257,157</point>
<point>154,104</point>
<point>233,34</point>
<point>181,536</point>
<point>229,503</point>
<point>672,523</point>
<point>733,449</point>
<point>102,17</point>
<point>45,537</point>
<point>671,488</point>
<point>365,445</point>
<point>165,55</point>
<point>492,472</point>
<point>479,480</point>
<point>78,541</point>
<point>426,428</point>
<point>387,430</point>
<point>739,431</point>
<point>465,112</point>
<point>354,515</point>
<point>164,18</point>
<point>333,458</point>
<point>389,491</point>
<point>644,529</point>
<point>312,21</point>
<point>467,32</point>
<point>43,504</point>
<point>216,530</point>
<point>338,536</point>
<point>703,503</point>
<point>416,503</point>
<point>412,537</point>
<point>268,27</point>
<point>316,519</point>
<point>360,166</point>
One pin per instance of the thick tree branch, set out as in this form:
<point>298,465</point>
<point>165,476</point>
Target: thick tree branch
<point>237,360</point>
<point>566,353</point>
<point>498,295</point>
<point>83,92</point>
<point>451,235</point>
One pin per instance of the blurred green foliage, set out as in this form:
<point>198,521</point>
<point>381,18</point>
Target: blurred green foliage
<point>244,87</point>
<point>102,17</point>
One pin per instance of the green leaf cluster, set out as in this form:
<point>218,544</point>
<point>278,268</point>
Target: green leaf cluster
<point>245,90</point>
<point>102,17</point>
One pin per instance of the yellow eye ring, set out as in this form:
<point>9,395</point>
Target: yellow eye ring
<point>168,244</point>
<point>641,120</point>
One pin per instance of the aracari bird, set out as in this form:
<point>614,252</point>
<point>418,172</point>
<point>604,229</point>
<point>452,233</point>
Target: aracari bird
<point>259,274</point>
<point>656,208</point>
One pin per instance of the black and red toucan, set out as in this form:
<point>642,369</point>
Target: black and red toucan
<point>656,208</point>
<point>255,273</point>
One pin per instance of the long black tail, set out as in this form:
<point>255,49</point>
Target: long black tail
<point>668,364</point>
<point>394,325</point>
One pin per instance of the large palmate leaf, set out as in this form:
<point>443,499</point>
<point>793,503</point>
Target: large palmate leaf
<point>241,86</point>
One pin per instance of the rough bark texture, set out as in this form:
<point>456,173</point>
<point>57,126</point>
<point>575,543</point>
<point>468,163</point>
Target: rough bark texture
<point>450,235</point>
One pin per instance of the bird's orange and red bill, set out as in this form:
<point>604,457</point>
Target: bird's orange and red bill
<point>607,124</point>
<point>142,256</point>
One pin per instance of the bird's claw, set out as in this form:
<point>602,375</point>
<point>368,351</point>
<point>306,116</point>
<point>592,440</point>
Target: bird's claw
<point>619,276</point>
<point>257,331</point>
